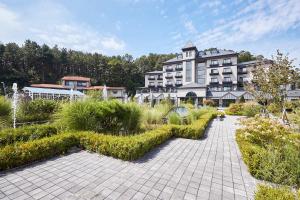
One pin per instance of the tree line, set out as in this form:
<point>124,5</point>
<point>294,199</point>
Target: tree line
<point>33,63</point>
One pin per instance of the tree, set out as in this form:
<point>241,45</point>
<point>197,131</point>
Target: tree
<point>271,81</point>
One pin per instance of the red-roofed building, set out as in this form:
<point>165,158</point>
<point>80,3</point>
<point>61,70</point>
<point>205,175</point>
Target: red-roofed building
<point>83,84</point>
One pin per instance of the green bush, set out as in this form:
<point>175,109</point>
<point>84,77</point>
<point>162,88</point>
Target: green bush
<point>23,153</point>
<point>10,135</point>
<point>5,107</point>
<point>36,110</point>
<point>174,118</point>
<point>270,193</point>
<point>271,151</point>
<point>101,116</point>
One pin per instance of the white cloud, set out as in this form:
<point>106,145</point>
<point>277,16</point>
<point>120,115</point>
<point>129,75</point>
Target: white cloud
<point>190,26</point>
<point>51,23</point>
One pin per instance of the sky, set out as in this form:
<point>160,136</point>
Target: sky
<point>140,27</point>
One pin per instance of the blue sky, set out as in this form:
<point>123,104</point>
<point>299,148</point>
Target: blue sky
<point>140,27</point>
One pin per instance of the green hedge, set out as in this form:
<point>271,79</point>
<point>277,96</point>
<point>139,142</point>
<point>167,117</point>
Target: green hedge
<point>10,135</point>
<point>270,150</point>
<point>122,147</point>
<point>27,152</point>
<point>269,193</point>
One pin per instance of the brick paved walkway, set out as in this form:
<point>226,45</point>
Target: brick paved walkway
<point>180,169</point>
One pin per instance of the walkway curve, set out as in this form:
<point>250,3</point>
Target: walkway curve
<point>211,168</point>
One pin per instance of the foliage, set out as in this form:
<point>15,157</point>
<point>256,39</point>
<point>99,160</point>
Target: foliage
<point>5,107</point>
<point>36,110</point>
<point>23,153</point>
<point>174,118</point>
<point>208,102</point>
<point>101,116</point>
<point>272,80</point>
<point>271,151</point>
<point>269,193</point>
<point>10,135</point>
<point>48,65</point>
<point>123,147</point>
<point>248,109</point>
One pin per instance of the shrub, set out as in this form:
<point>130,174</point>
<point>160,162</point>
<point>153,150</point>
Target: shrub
<point>271,151</point>
<point>5,107</point>
<point>174,118</point>
<point>36,110</point>
<point>10,135</point>
<point>280,193</point>
<point>208,102</point>
<point>101,116</point>
<point>23,153</point>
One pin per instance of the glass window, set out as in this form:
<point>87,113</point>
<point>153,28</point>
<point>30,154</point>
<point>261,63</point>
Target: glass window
<point>227,61</point>
<point>188,72</point>
<point>214,80</point>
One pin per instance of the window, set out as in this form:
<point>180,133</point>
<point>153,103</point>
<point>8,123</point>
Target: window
<point>214,80</point>
<point>214,71</point>
<point>227,61</point>
<point>227,70</point>
<point>188,72</point>
<point>227,88</point>
<point>227,79</point>
<point>215,62</point>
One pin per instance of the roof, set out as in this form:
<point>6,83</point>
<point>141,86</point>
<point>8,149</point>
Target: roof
<point>54,86</point>
<point>75,78</point>
<point>155,72</point>
<point>100,87</point>
<point>192,85</point>
<point>51,91</point>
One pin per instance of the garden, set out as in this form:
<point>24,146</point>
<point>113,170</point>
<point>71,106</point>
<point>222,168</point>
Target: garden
<point>125,131</point>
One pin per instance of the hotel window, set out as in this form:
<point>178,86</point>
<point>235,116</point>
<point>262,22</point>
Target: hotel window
<point>227,88</point>
<point>227,70</point>
<point>227,61</point>
<point>227,79</point>
<point>188,72</point>
<point>215,62</point>
<point>214,80</point>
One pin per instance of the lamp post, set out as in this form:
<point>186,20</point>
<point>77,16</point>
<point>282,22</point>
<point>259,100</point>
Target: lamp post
<point>14,105</point>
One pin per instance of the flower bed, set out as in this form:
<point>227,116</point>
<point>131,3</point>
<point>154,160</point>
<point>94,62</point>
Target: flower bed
<point>122,147</point>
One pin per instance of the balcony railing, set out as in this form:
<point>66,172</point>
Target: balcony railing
<point>214,65</point>
<point>178,84</point>
<point>169,69</point>
<point>242,71</point>
<point>227,72</point>
<point>178,68</point>
<point>214,73</point>
<point>178,76</point>
<point>227,64</point>
<point>227,81</point>
<point>151,78</point>
<point>169,76</point>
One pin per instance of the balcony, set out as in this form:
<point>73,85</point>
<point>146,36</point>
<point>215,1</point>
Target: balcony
<point>169,76</point>
<point>178,84</point>
<point>214,73</point>
<point>159,78</point>
<point>214,65</point>
<point>178,76</point>
<point>242,71</point>
<point>169,84</point>
<point>178,68</point>
<point>227,64</point>
<point>227,81</point>
<point>227,72</point>
<point>151,78</point>
<point>169,69</point>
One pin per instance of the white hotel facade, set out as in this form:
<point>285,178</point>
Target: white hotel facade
<point>214,74</point>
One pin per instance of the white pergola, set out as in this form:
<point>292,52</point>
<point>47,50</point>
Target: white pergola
<point>53,94</point>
